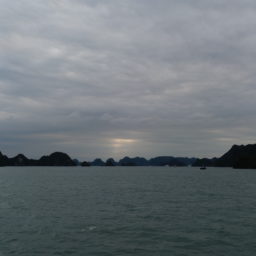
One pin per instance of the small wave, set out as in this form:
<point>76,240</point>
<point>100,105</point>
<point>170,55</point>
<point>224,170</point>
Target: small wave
<point>91,228</point>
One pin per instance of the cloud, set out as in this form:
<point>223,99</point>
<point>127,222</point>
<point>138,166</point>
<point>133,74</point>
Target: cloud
<point>175,77</point>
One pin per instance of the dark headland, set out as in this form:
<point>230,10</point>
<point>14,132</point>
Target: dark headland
<point>242,157</point>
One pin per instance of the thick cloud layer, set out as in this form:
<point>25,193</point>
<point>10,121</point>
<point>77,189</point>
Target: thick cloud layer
<point>114,78</point>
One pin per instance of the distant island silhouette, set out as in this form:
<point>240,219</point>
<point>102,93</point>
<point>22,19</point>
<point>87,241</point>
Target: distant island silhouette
<point>243,157</point>
<point>240,157</point>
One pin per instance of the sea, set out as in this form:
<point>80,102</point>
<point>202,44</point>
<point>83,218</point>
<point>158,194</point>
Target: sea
<point>115,211</point>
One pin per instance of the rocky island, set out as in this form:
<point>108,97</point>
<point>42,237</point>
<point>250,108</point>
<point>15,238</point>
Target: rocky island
<point>242,157</point>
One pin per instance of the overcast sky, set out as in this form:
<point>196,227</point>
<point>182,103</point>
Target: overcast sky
<point>109,78</point>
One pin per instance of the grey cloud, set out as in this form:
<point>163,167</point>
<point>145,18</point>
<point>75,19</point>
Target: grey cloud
<point>165,77</point>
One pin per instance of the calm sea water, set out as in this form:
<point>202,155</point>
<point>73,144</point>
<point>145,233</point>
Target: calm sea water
<point>127,211</point>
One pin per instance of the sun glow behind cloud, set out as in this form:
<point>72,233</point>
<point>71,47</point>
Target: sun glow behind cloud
<point>120,145</point>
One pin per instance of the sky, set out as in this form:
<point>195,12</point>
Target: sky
<point>110,78</point>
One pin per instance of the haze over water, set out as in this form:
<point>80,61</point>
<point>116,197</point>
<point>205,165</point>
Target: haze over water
<point>127,211</point>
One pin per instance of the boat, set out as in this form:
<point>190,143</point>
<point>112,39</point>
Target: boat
<point>203,168</point>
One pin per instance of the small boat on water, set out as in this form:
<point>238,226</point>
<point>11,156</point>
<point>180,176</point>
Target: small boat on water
<point>203,168</point>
